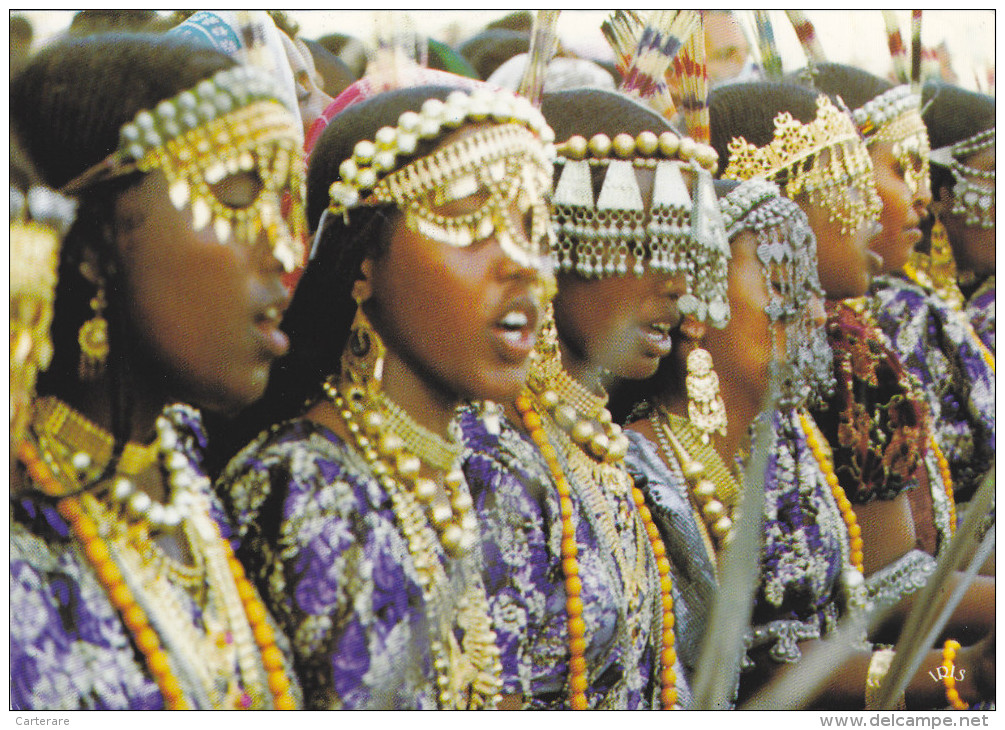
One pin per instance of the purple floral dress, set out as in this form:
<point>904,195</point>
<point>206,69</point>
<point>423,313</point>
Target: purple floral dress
<point>320,536</point>
<point>802,593</point>
<point>522,531</point>
<point>937,345</point>
<point>980,310</point>
<point>69,649</point>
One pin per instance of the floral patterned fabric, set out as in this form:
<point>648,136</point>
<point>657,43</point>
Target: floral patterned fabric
<point>937,345</point>
<point>69,649</point>
<point>876,421</point>
<point>801,593</point>
<point>522,530</point>
<point>319,536</point>
<point>980,310</point>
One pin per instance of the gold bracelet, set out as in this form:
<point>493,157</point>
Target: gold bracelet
<point>879,665</point>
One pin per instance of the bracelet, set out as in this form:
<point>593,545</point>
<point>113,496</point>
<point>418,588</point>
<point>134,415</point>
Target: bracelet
<point>948,658</point>
<point>879,665</point>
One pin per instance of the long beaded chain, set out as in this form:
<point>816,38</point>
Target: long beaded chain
<point>815,441</point>
<point>533,422</point>
<point>713,488</point>
<point>80,514</point>
<point>471,672</point>
<point>947,482</point>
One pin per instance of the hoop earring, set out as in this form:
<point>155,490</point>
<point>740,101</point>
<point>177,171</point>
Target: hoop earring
<point>93,338</point>
<point>363,358</point>
<point>705,408</point>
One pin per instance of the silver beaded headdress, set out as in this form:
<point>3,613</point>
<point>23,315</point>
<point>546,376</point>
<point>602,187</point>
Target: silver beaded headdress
<point>681,231</point>
<point>895,116</point>
<point>787,250</point>
<point>971,200</point>
<point>510,161</point>
<point>230,123</point>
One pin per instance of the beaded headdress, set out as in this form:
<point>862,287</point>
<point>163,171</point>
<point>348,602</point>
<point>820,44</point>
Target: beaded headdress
<point>973,201</point>
<point>227,124</point>
<point>796,156</point>
<point>38,222</point>
<point>787,250</point>
<point>895,116</point>
<point>510,161</point>
<point>680,231</point>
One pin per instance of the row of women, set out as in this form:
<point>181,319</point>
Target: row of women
<point>404,485</point>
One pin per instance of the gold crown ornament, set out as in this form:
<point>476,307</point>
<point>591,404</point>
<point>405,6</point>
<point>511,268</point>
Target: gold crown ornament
<point>509,161</point>
<point>681,230</point>
<point>796,158</point>
<point>230,123</point>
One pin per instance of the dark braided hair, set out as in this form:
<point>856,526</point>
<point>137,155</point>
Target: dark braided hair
<point>67,106</point>
<point>853,85</point>
<point>953,114</point>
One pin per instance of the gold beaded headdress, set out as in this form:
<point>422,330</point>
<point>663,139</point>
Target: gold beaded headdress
<point>681,231</point>
<point>230,123</point>
<point>508,162</point>
<point>895,116</point>
<point>797,153</point>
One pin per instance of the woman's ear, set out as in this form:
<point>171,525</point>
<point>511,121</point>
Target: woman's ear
<point>362,288</point>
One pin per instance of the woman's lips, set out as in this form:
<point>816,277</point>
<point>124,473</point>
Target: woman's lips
<point>274,339</point>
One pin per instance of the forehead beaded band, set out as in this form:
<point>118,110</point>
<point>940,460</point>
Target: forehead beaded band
<point>787,251</point>
<point>796,153</point>
<point>971,200</point>
<point>504,168</point>
<point>895,116</point>
<point>681,231</point>
<point>225,125</point>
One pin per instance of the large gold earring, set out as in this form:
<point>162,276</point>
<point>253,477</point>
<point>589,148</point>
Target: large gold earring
<point>705,408</point>
<point>363,358</point>
<point>93,338</point>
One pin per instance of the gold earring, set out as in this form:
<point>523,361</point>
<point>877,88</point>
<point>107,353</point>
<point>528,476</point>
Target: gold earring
<point>93,338</point>
<point>363,358</point>
<point>705,408</point>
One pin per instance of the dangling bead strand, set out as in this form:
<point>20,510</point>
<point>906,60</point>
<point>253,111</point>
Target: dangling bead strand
<point>814,441</point>
<point>573,584</point>
<point>947,483</point>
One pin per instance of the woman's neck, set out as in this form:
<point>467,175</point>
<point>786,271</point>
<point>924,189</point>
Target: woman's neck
<point>587,374</point>
<point>140,407</point>
<point>424,401</point>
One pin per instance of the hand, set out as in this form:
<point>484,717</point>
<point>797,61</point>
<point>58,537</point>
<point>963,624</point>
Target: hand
<point>978,663</point>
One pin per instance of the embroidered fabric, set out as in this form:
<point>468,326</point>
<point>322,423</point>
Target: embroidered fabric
<point>900,578</point>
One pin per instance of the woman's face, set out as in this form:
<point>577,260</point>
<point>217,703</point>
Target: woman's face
<point>903,209</point>
<point>844,261</point>
<point>745,348</point>
<point>973,246</point>
<point>463,320</point>
<point>203,316</point>
<point>620,323</point>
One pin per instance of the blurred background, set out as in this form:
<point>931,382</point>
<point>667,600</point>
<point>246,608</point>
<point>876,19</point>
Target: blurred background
<point>962,42</point>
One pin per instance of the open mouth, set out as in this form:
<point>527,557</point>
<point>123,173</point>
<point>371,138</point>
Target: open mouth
<point>267,323</point>
<point>516,330</point>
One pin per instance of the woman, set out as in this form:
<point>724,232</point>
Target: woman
<point>963,183</point>
<point>124,589</point>
<point>816,552</point>
<point>576,564</point>
<point>424,292</point>
<point>773,292</point>
<point>936,343</point>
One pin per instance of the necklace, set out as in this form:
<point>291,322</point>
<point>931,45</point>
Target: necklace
<point>815,441</point>
<point>179,656</point>
<point>534,423</point>
<point>381,445</point>
<point>713,488</point>
<point>468,673</point>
